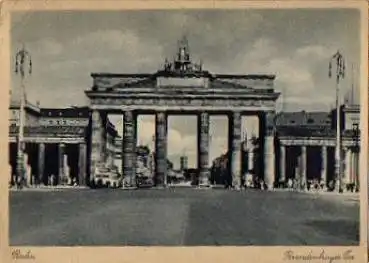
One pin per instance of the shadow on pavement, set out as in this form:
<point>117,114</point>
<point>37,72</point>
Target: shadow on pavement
<point>339,228</point>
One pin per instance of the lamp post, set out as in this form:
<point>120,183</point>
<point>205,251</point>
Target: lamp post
<point>22,62</point>
<point>339,61</point>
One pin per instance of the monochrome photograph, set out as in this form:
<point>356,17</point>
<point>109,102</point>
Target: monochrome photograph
<point>185,127</point>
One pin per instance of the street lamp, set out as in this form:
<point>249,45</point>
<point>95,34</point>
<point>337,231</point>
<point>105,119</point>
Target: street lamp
<point>340,74</point>
<point>22,61</point>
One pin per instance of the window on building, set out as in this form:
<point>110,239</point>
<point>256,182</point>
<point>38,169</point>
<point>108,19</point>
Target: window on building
<point>310,120</point>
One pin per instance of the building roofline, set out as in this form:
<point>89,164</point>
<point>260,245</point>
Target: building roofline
<point>121,75</point>
<point>246,76</point>
<point>203,73</point>
<point>29,106</point>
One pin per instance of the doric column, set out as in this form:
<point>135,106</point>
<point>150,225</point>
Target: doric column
<point>20,165</point>
<point>355,166</point>
<point>282,163</point>
<point>27,169</point>
<point>41,162</point>
<point>348,166</point>
<point>96,142</point>
<point>109,151</point>
<point>269,149</point>
<point>324,156</point>
<point>112,151</point>
<point>82,164</point>
<point>250,158</point>
<point>303,166</point>
<point>236,141</point>
<point>161,165</point>
<point>61,148</point>
<point>129,147</point>
<point>104,138</point>
<point>203,148</point>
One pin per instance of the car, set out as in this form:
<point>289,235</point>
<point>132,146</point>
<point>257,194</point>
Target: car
<point>144,182</point>
<point>107,177</point>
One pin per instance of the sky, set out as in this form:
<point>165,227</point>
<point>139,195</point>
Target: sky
<point>295,45</point>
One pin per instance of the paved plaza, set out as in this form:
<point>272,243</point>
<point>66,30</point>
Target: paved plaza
<point>177,217</point>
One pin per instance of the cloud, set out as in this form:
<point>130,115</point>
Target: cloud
<point>262,49</point>
<point>111,39</point>
<point>45,47</point>
<point>314,51</point>
<point>292,74</point>
<point>296,70</point>
<point>127,43</point>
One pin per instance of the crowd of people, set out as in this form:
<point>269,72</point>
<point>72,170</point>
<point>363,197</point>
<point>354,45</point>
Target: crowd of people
<point>19,182</point>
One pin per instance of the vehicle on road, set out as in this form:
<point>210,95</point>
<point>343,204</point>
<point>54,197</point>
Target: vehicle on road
<point>107,177</point>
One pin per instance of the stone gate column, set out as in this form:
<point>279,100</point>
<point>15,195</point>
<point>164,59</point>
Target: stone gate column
<point>96,142</point>
<point>236,147</point>
<point>129,147</point>
<point>104,138</point>
<point>112,152</point>
<point>161,166</point>
<point>348,166</point>
<point>61,148</point>
<point>82,164</point>
<point>282,163</point>
<point>356,166</point>
<point>27,167</point>
<point>250,159</point>
<point>269,149</point>
<point>303,167</point>
<point>324,156</point>
<point>203,148</point>
<point>41,162</point>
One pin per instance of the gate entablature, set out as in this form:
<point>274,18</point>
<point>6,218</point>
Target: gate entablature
<point>183,91</point>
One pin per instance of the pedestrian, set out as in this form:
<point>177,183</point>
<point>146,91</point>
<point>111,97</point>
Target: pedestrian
<point>243,183</point>
<point>322,185</point>
<point>19,182</point>
<point>262,184</point>
<point>290,184</point>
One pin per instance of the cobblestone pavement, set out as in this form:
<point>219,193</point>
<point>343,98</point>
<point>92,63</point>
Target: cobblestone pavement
<point>181,217</point>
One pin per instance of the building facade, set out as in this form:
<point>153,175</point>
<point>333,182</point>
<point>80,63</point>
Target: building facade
<point>56,143</point>
<point>305,147</point>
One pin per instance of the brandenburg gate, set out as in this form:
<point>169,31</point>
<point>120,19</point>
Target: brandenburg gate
<point>183,87</point>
